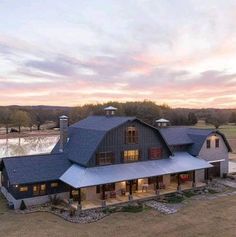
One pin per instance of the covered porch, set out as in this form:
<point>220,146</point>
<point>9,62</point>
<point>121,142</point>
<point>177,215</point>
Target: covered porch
<point>141,194</point>
<point>114,184</point>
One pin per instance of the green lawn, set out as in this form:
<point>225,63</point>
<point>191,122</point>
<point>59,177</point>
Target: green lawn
<point>213,218</point>
<point>229,130</point>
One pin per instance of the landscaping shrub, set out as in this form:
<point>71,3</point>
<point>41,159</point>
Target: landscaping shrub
<point>175,199</point>
<point>72,212</point>
<point>212,191</point>
<point>110,210</point>
<point>54,200</point>
<point>22,205</point>
<point>189,194</point>
<point>133,209</point>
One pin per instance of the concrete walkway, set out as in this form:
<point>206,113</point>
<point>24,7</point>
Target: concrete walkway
<point>232,166</point>
<point>228,183</point>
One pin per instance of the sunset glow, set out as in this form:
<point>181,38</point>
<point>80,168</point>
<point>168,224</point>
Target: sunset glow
<point>182,53</point>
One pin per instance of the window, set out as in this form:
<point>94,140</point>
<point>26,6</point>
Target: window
<point>54,185</point>
<point>107,187</point>
<point>155,153</point>
<point>23,189</point>
<point>131,155</point>
<point>131,135</point>
<point>217,142</point>
<point>39,189</point>
<point>35,190</point>
<point>208,144</point>
<point>105,158</point>
<point>42,189</point>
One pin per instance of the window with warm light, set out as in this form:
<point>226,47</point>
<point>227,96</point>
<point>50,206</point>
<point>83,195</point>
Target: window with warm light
<point>131,135</point>
<point>54,185</point>
<point>35,190</point>
<point>23,189</point>
<point>43,187</point>
<point>131,155</point>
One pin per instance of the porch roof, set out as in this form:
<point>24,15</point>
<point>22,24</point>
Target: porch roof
<point>79,177</point>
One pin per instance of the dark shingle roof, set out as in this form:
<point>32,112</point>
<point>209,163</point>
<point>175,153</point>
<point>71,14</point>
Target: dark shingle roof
<point>198,136</point>
<point>176,135</point>
<point>35,168</point>
<point>86,135</point>
<point>82,144</point>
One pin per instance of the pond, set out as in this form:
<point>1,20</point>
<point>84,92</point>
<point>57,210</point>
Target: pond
<point>27,145</point>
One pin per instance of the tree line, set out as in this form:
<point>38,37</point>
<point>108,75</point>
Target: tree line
<point>12,117</point>
<point>148,111</point>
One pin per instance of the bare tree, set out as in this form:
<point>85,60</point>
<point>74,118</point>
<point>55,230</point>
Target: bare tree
<point>20,118</point>
<point>216,119</point>
<point>5,118</point>
<point>232,118</point>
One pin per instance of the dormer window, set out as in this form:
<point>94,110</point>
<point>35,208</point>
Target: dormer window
<point>217,142</point>
<point>131,135</point>
<point>208,144</point>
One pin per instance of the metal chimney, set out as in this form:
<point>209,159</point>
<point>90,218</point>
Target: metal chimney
<point>63,131</point>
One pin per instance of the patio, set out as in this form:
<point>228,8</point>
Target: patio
<point>138,195</point>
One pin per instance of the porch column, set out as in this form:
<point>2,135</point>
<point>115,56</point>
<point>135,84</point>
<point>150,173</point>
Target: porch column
<point>206,175</point>
<point>103,196</point>
<point>71,192</point>
<point>194,179</point>
<point>130,190</point>
<point>178,178</point>
<point>79,198</point>
<point>157,186</point>
<point>157,183</point>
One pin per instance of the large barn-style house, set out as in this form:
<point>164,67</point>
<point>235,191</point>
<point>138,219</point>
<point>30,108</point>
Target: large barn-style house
<point>103,160</point>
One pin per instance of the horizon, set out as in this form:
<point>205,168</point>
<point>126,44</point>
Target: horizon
<point>108,102</point>
<point>179,53</point>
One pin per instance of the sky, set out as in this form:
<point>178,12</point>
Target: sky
<point>178,52</point>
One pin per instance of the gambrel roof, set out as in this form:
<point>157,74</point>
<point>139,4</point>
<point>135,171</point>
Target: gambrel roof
<point>194,137</point>
<point>87,134</point>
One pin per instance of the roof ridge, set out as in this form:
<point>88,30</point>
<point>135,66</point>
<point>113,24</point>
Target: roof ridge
<point>202,128</point>
<point>33,155</point>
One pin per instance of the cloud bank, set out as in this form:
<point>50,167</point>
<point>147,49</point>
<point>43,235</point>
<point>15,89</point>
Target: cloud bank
<point>178,52</point>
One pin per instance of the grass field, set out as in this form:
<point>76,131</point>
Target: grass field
<point>229,130</point>
<point>199,218</point>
